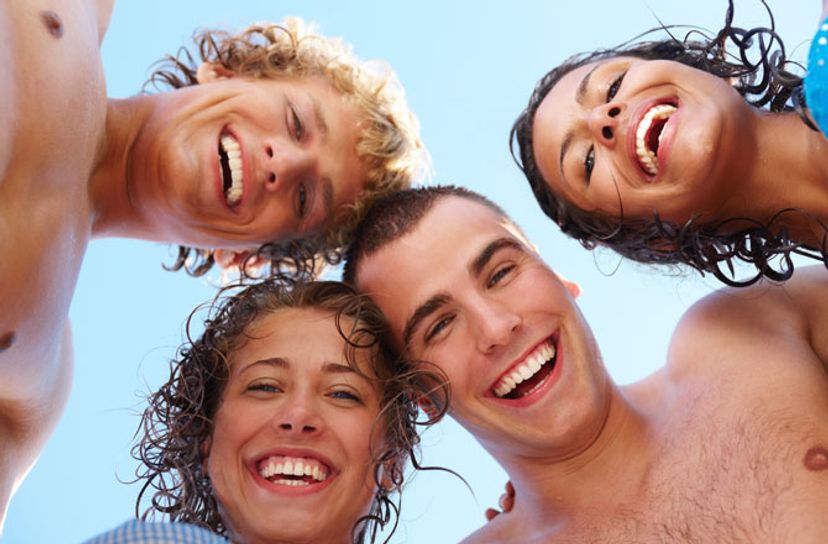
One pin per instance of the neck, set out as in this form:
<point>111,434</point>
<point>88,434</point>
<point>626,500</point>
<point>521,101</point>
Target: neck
<point>606,472</point>
<point>790,170</point>
<point>115,214</point>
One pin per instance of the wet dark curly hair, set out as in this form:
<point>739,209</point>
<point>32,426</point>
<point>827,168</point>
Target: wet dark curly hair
<point>180,415</point>
<point>756,59</point>
<point>389,143</point>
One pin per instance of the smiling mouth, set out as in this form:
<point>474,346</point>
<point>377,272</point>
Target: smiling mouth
<point>527,375</point>
<point>229,152</point>
<point>648,136</point>
<point>293,471</point>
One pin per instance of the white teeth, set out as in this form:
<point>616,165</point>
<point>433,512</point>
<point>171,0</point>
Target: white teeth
<point>292,466</point>
<point>233,150</point>
<point>530,366</point>
<point>646,157</point>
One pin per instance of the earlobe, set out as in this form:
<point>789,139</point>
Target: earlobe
<point>205,454</point>
<point>208,72</point>
<point>573,288</point>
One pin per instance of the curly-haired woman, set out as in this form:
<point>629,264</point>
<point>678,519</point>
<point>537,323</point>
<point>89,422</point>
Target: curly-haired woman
<point>287,420</point>
<point>686,151</point>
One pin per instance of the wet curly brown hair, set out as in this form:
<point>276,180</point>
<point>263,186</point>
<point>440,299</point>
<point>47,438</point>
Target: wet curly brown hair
<point>389,144</point>
<point>180,415</point>
<point>765,80</point>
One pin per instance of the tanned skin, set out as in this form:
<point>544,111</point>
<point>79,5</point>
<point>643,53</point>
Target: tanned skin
<point>727,442</point>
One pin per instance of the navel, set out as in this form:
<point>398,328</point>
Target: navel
<point>53,23</point>
<point>816,459</point>
<point>6,341</point>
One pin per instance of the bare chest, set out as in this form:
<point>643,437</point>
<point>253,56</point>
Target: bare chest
<point>749,475</point>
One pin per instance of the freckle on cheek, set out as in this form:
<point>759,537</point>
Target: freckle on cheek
<point>816,459</point>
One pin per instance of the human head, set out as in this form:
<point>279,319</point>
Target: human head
<point>389,144</point>
<point>181,451</point>
<point>463,289</point>
<point>754,61</point>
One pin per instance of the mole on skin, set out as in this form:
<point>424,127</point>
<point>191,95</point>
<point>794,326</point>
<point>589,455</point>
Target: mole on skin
<point>6,341</point>
<point>52,22</point>
<point>816,459</point>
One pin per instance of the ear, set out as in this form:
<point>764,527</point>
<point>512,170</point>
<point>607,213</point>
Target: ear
<point>208,72</point>
<point>231,261</point>
<point>427,406</point>
<point>386,482</point>
<point>573,288</point>
<point>205,453</point>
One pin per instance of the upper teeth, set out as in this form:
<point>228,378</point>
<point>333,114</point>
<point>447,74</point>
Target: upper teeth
<point>647,157</point>
<point>292,466</point>
<point>525,370</point>
<point>233,150</point>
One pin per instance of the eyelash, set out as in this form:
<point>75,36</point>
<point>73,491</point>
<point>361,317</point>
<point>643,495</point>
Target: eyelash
<point>438,327</point>
<point>302,197</point>
<point>298,127</point>
<point>266,387</point>
<point>589,160</point>
<point>499,275</point>
<point>348,395</point>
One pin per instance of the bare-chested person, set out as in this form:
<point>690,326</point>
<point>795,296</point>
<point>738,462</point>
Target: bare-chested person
<point>728,442</point>
<point>275,133</point>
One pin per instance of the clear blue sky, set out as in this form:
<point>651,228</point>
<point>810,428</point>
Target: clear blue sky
<point>468,67</point>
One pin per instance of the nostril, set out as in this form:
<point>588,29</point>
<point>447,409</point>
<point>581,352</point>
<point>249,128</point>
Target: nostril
<point>286,426</point>
<point>271,177</point>
<point>607,132</point>
<point>269,151</point>
<point>614,111</point>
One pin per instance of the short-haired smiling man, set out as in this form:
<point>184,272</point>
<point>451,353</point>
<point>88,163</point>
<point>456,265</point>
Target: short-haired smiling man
<point>727,442</point>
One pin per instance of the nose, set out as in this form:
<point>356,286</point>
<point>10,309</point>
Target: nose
<point>494,322</point>
<point>603,122</point>
<point>284,164</point>
<point>297,416</point>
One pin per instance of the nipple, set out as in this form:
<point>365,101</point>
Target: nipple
<point>6,341</point>
<point>816,459</point>
<point>53,23</point>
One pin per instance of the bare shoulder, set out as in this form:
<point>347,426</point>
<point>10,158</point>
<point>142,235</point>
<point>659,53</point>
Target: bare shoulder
<point>793,313</point>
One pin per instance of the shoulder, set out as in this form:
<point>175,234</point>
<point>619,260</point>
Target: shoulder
<point>795,312</point>
<point>143,532</point>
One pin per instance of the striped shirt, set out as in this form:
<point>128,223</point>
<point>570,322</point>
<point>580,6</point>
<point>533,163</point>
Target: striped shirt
<point>143,532</point>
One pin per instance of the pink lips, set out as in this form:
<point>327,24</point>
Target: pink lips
<point>293,491</point>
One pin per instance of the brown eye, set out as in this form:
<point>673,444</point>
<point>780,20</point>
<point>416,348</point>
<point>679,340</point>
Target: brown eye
<point>614,86</point>
<point>589,163</point>
<point>302,198</point>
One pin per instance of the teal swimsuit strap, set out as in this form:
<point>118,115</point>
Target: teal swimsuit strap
<point>816,82</point>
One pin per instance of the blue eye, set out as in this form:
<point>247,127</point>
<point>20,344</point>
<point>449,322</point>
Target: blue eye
<point>298,127</point>
<point>438,327</point>
<point>265,387</point>
<point>499,275</point>
<point>345,395</point>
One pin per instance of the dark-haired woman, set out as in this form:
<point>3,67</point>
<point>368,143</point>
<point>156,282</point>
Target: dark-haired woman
<point>686,151</point>
<point>286,421</point>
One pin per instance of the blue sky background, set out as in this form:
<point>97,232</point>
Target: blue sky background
<point>468,67</point>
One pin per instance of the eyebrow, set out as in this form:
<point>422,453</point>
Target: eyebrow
<point>580,95</point>
<point>281,362</point>
<point>490,251</point>
<point>321,124</point>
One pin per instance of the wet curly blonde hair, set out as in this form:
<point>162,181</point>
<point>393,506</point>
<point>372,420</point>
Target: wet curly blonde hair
<point>389,144</point>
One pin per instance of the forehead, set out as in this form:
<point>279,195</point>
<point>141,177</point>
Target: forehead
<point>557,112</point>
<point>433,258</point>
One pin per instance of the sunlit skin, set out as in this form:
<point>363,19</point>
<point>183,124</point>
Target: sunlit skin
<point>291,392</point>
<point>718,157</point>
<point>703,448</point>
<point>77,165</point>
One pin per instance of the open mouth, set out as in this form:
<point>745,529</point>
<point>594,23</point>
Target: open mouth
<point>293,471</point>
<point>229,152</point>
<point>648,136</point>
<point>526,376</point>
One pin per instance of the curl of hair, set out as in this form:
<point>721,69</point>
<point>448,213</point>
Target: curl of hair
<point>389,144</point>
<point>755,59</point>
<point>179,418</point>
